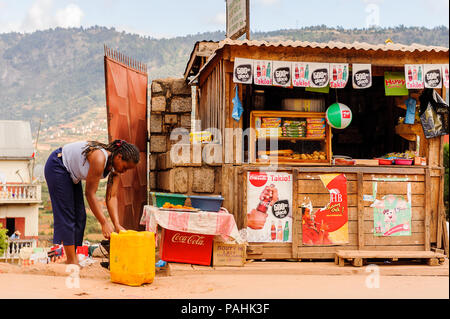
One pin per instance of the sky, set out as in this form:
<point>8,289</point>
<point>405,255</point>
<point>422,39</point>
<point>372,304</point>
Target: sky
<point>171,18</point>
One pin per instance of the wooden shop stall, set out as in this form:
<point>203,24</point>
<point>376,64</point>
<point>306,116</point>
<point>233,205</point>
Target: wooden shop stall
<point>306,184</point>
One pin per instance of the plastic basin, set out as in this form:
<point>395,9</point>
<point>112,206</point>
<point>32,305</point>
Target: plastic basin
<point>403,162</point>
<point>207,203</point>
<point>159,199</point>
<point>384,161</point>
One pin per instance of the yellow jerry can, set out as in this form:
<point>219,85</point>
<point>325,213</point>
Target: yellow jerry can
<point>132,257</point>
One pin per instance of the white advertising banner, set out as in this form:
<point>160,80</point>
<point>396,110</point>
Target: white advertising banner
<point>318,75</point>
<point>361,76</point>
<point>445,75</point>
<point>281,73</point>
<point>269,207</point>
<point>243,71</point>
<point>300,74</point>
<point>414,76</point>
<point>432,76</point>
<point>262,72</point>
<point>338,75</point>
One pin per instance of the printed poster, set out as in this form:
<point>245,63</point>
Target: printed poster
<point>392,216</point>
<point>327,225</point>
<point>269,207</point>
<point>395,84</point>
<point>243,71</point>
<point>338,75</point>
<point>318,75</point>
<point>445,75</point>
<point>281,73</point>
<point>362,76</point>
<point>414,76</point>
<point>300,72</point>
<point>262,72</point>
<point>432,76</point>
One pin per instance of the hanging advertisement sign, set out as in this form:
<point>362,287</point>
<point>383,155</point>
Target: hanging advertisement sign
<point>392,216</point>
<point>338,75</point>
<point>262,72</point>
<point>269,207</point>
<point>328,225</point>
<point>281,73</point>
<point>432,76</point>
<point>362,76</point>
<point>243,71</point>
<point>414,76</point>
<point>445,75</point>
<point>237,18</point>
<point>300,74</point>
<point>395,84</point>
<point>318,75</point>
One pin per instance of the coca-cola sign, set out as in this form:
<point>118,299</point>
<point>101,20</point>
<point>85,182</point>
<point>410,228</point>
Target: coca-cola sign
<point>188,239</point>
<point>257,179</point>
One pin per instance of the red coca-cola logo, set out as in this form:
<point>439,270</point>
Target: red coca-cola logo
<point>188,239</point>
<point>258,179</point>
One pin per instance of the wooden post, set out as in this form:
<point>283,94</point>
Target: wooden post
<point>296,219</point>
<point>427,208</point>
<point>360,211</point>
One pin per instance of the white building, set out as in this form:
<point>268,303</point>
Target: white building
<point>20,197</point>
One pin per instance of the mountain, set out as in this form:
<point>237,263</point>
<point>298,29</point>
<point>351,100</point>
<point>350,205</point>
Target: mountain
<point>57,75</point>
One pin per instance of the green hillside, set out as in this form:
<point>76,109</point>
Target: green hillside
<point>57,75</point>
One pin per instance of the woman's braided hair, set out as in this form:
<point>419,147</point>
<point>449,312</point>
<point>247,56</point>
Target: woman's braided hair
<point>129,151</point>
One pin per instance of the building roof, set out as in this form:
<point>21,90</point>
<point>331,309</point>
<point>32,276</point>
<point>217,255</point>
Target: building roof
<point>15,139</point>
<point>193,69</point>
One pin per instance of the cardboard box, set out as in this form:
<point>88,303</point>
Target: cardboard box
<point>420,161</point>
<point>186,247</point>
<point>229,254</point>
<point>366,162</point>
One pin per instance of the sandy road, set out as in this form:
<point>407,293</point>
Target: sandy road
<point>94,283</point>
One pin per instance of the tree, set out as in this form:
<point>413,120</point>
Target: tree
<point>3,239</point>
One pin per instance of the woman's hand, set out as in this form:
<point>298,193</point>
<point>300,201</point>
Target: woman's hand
<point>118,228</point>
<point>107,230</point>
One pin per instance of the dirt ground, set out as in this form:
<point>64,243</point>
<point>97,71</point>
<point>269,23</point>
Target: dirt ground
<point>287,280</point>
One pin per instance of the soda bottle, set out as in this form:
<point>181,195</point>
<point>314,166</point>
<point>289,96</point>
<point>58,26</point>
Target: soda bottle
<point>296,72</point>
<point>302,72</point>
<point>258,70</point>
<point>446,74</point>
<point>307,72</point>
<point>340,73</point>
<point>264,70</point>
<point>420,73</point>
<point>279,231</point>
<point>286,231</point>
<point>344,73</point>
<point>334,74</point>
<point>264,200</point>
<point>415,74</point>
<point>268,70</point>
<point>273,232</point>
<point>409,74</point>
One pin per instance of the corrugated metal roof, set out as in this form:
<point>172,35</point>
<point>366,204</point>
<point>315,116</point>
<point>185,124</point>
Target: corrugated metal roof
<point>15,139</point>
<point>336,45</point>
<point>396,47</point>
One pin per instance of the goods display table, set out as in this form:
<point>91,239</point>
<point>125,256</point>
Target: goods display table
<point>188,236</point>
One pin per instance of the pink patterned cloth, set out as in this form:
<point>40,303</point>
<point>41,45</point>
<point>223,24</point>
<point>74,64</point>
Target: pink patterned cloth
<point>200,222</point>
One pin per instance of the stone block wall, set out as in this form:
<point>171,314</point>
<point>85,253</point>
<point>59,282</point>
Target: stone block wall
<point>171,106</point>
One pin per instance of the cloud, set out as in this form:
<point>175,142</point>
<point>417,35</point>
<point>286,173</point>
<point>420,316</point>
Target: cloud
<point>41,16</point>
<point>68,17</point>
<point>219,19</point>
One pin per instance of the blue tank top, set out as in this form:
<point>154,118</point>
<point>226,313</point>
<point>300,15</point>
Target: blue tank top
<point>75,162</point>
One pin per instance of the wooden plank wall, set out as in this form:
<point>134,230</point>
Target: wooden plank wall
<point>361,221</point>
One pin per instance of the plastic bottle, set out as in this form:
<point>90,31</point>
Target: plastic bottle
<point>419,76</point>
<point>279,231</point>
<point>268,70</point>
<point>273,232</point>
<point>307,72</point>
<point>286,231</point>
